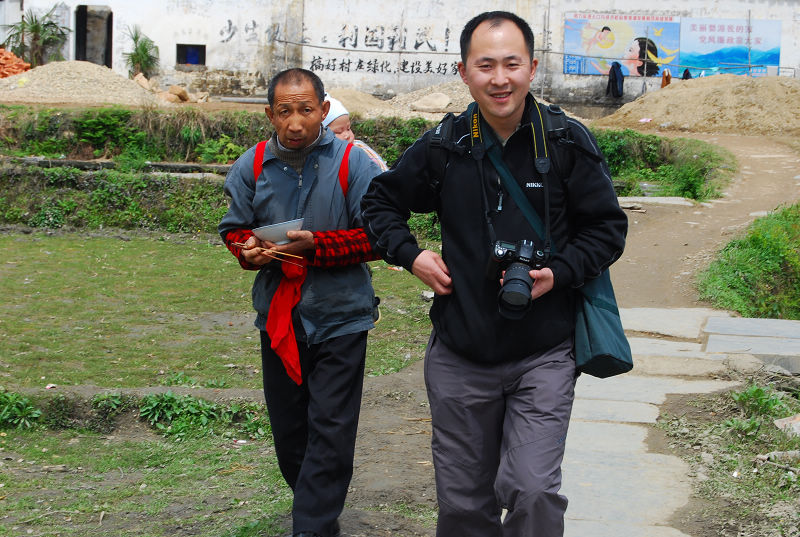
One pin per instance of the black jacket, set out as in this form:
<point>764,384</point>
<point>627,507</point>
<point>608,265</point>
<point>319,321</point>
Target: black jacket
<point>587,226</point>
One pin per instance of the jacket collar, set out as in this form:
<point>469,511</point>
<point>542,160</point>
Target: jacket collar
<point>327,139</point>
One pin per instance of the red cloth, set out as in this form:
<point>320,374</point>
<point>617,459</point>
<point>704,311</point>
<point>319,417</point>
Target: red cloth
<point>334,248</point>
<point>279,319</point>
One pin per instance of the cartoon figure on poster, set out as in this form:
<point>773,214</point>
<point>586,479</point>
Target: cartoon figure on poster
<point>642,47</point>
<point>641,57</point>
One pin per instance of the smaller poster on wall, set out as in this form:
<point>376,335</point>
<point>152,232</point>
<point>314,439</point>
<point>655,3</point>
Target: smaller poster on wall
<point>644,45</point>
<point>711,46</point>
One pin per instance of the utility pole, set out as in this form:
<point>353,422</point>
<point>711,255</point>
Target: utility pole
<point>749,44</point>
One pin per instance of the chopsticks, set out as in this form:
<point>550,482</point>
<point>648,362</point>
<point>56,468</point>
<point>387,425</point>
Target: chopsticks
<point>270,250</point>
<point>271,253</point>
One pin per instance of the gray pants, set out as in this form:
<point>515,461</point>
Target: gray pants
<point>498,441</point>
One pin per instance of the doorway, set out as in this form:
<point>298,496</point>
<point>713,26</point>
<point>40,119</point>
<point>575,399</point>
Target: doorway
<point>93,34</point>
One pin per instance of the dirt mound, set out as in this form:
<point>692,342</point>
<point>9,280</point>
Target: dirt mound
<point>74,82</point>
<point>716,104</point>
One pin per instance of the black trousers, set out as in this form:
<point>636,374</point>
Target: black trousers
<point>314,425</point>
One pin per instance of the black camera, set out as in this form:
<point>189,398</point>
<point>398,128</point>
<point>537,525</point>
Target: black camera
<point>517,259</point>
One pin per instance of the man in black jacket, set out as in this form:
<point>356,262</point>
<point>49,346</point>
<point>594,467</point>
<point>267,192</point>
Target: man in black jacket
<point>500,388</point>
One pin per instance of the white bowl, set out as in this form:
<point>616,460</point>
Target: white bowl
<point>277,232</point>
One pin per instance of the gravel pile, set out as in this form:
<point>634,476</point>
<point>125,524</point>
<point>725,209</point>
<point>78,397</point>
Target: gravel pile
<point>74,82</point>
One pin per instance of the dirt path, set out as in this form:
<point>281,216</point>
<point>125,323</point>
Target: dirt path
<point>668,245</point>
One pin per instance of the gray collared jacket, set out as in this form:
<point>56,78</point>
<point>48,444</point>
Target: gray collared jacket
<point>334,301</point>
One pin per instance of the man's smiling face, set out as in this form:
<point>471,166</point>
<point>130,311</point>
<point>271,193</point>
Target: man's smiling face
<point>499,72</point>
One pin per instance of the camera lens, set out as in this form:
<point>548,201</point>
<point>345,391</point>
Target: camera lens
<point>514,297</point>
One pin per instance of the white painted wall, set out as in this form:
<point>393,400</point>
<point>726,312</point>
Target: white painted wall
<point>234,31</point>
<point>4,19</point>
<point>253,36</point>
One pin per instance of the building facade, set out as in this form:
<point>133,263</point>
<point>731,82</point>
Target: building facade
<point>232,47</point>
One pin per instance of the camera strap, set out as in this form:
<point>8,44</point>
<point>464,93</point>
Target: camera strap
<point>541,162</point>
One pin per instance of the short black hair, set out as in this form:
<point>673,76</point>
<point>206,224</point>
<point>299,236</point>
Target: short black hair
<point>295,75</point>
<point>495,17</point>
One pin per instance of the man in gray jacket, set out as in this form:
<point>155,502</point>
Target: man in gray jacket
<point>313,295</point>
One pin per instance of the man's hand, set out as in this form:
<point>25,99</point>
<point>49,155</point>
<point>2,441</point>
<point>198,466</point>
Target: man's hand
<point>429,267</point>
<point>543,281</point>
<point>255,250</point>
<point>302,241</point>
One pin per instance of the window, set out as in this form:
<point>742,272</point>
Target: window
<point>191,54</point>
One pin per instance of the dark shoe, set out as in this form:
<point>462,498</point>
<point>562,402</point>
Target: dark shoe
<point>312,534</point>
<point>336,532</point>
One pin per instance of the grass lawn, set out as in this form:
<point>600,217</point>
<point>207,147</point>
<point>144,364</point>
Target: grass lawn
<point>122,310</point>
<point>135,311</point>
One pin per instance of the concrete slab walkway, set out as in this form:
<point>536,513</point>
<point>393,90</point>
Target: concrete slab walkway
<point>616,487</point>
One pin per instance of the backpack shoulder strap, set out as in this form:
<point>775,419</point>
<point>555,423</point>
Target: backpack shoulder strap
<point>558,137</point>
<point>562,141</point>
<point>258,160</point>
<point>344,169</point>
<point>439,144</point>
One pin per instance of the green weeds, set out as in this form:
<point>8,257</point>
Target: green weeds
<point>17,411</point>
<point>763,401</point>
<point>179,416</point>
<point>175,416</point>
<point>221,150</point>
<point>66,197</point>
<point>648,164</point>
<point>758,275</point>
<point>733,445</point>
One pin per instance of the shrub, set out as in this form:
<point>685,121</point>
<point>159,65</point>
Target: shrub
<point>36,38</point>
<point>17,411</point>
<point>144,56</point>
<point>647,164</point>
<point>390,137</point>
